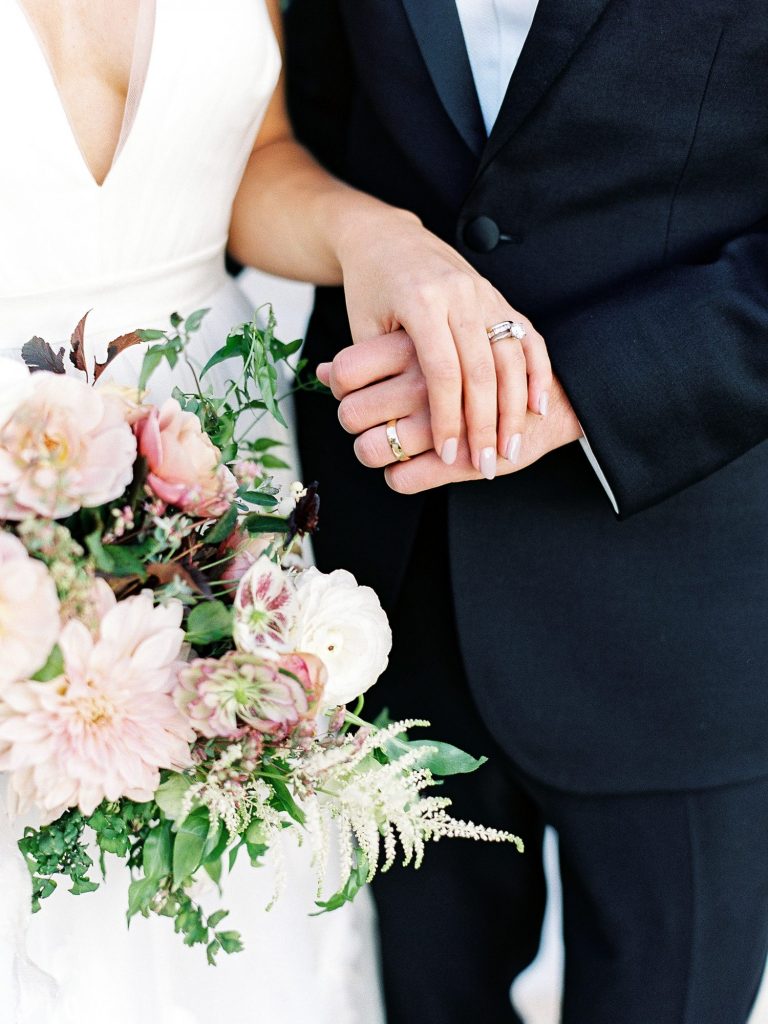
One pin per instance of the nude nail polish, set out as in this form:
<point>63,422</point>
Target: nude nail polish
<point>544,403</point>
<point>513,448</point>
<point>488,463</point>
<point>450,451</point>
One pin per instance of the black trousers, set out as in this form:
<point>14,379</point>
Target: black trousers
<point>665,895</point>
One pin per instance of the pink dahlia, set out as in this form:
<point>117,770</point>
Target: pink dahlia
<point>65,447</point>
<point>108,724</point>
<point>29,612</point>
<point>185,468</point>
<point>240,693</point>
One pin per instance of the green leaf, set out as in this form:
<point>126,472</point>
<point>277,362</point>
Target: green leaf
<point>151,335</point>
<point>258,498</point>
<point>261,444</point>
<point>234,347</point>
<point>193,321</point>
<point>53,668</point>
<point>447,759</point>
<point>125,561</point>
<point>230,941</point>
<point>101,556</point>
<point>213,869</point>
<point>272,462</point>
<point>83,886</point>
<point>209,622</point>
<point>141,892</point>
<point>176,321</point>
<point>189,845</point>
<point>281,350</point>
<point>358,876</point>
<point>233,854</point>
<point>170,794</point>
<point>217,917</point>
<point>258,523</point>
<point>382,720</point>
<point>152,359</point>
<point>224,527</point>
<point>216,843</point>
<point>158,850</point>
<point>284,801</point>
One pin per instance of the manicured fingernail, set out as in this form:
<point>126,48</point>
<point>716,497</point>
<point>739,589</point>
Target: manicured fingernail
<point>488,463</point>
<point>513,448</point>
<point>450,451</point>
<point>543,403</point>
<point>323,371</point>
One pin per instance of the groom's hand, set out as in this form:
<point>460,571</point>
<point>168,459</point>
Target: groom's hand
<point>381,380</point>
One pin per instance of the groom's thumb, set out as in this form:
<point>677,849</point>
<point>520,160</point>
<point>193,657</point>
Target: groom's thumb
<point>324,374</point>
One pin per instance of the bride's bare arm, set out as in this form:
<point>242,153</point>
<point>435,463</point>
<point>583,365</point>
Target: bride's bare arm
<point>294,219</point>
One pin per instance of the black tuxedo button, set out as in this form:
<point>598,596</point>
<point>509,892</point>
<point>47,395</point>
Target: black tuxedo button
<point>482,234</point>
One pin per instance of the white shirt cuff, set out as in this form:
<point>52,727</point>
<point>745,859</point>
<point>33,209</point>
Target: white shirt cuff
<point>596,466</point>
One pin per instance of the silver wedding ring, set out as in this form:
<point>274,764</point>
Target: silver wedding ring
<point>506,329</point>
<point>394,442</point>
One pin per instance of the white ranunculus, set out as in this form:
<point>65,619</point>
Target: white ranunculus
<point>345,626</point>
<point>15,387</point>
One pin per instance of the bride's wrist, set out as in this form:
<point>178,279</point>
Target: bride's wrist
<point>360,224</point>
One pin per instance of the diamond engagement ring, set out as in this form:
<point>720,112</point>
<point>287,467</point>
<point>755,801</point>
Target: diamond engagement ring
<point>506,329</point>
<point>394,442</point>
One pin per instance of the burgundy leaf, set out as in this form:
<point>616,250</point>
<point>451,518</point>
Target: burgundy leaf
<point>77,344</point>
<point>38,355</point>
<point>114,348</point>
<point>167,572</point>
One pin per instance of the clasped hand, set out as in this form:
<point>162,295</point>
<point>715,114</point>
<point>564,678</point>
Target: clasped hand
<point>419,315</point>
<point>381,379</point>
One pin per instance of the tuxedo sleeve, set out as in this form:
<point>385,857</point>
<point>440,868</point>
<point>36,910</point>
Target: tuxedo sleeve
<point>669,375</point>
<point>320,79</point>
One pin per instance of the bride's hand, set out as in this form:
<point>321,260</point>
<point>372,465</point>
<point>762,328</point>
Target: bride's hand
<point>380,380</point>
<point>398,274</point>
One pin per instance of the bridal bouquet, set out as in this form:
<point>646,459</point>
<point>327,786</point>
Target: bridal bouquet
<point>176,690</point>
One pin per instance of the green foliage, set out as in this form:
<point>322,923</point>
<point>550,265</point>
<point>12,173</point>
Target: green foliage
<point>53,667</point>
<point>170,795</point>
<point>208,623</point>
<point>283,801</point>
<point>255,523</point>
<point>189,844</point>
<point>358,876</point>
<point>157,854</point>
<point>260,352</point>
<point>258,498</point>
<point>224,527</point>
<point>57,849</point>
<point>445,759</point>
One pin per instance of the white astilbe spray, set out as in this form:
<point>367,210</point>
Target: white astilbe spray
<point>232,794</point>
<point>375,804</point>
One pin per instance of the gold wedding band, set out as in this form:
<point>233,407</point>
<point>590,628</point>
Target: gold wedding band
<point>506,329</point>
<point>394,442</point>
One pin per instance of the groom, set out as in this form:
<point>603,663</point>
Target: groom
<point>604,163</point>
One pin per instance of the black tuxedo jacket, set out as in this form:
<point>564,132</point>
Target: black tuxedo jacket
<point>621,202</point>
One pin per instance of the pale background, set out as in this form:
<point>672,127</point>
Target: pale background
<point>536,992</point>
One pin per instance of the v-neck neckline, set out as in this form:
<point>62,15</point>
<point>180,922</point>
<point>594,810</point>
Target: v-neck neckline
<point>146,28</point>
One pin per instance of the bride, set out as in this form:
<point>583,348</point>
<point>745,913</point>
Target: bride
<point>140,139</point>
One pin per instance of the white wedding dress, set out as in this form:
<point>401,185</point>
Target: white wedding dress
<point>146,243</point>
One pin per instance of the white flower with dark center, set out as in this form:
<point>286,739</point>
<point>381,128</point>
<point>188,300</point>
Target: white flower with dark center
<point>345,626</point>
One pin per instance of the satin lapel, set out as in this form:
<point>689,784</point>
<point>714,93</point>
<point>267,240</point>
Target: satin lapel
<point>438,32</point>
<point>558,29</point>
